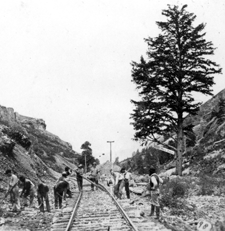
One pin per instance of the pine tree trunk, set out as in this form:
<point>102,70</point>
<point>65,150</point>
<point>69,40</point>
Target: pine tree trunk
<point>180,148</point>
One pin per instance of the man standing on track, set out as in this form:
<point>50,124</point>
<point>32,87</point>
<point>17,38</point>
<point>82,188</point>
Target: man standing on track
<point>154,182</point>
<point>94,175</point>
<point>118,178</point>
<point>68,172</point>
<point>127,178</point>
<point>121,182</point>
<point>80,172</point>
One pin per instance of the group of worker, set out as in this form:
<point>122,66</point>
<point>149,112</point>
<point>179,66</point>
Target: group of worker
<point>122,179</point>
<point>61,188</point>
<point>13,190</point>
<point>28,191</point>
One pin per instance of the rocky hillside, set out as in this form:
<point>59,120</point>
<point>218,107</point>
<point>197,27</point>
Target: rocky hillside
<point>28,148</point>
<point>208,143</point>
<point>205,146</point>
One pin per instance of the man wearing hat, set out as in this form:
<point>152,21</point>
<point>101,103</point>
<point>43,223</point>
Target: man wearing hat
<point>127,178</point>
<point>120,182</point>
<point>60,191</point>
<point>63,178</point>
<point>154,182</point>
<point>80,172</point>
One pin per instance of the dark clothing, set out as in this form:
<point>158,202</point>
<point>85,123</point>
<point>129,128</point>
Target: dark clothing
<point>28,190</point>
<point>27,185</point>
<point>126,184</point>
<point>95,180</point>
<point>60,191</point>
<point>68,172</point>
<point>79,173</point>
<point>118,189</point>
<point>80,183</point>
<point>61,179</point>
<point>68,192</point>
<point>42,193</point>
<point>127,178</point>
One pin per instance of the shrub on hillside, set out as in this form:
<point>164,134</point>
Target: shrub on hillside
<point>7,147</point>
<point>211,185</point>
<point>18,137</point>
<point>172,192</point>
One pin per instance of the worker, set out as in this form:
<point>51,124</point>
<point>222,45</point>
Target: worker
<point>42,194</point>
<point>60,191</point>
<point>62,178</point>
<point>94,176</point>
<point>154,182</point>
<point>118,178</point>
<point>79,174</point>
<point>68,171</point>
<point>127,178</point>
<point>13,190</point>
<point>28,190</point>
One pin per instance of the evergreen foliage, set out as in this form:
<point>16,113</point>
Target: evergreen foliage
<point>177,65</point>
<point>147,157</point>
<point>87,154</point>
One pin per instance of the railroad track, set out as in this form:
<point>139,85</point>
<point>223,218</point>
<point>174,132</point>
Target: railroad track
<point>91,211</point>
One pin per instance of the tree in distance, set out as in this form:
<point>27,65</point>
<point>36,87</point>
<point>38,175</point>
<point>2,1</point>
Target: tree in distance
<point>86,157</point>
<point>177,65</point>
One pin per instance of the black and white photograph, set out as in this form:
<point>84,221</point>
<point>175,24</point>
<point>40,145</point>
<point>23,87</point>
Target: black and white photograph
<point>112,115</point>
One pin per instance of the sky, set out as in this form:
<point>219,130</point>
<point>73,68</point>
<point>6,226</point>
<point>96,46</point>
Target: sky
<point>68,62</point>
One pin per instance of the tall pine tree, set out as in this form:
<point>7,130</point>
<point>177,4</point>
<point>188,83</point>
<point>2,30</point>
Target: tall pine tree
<point>177,65</point>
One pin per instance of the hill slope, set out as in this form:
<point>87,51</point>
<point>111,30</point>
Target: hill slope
<point>28,148</point>
<point>205,146</point>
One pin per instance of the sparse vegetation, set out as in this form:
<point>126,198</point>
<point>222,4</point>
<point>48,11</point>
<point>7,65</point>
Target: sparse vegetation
<point>17,136</point>
<point>172,191</point>
<point>211,185</point>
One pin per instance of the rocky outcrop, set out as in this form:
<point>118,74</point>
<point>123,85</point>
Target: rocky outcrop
<point>209,129</point>
<point>9,116</point>
<point>28,146</point>
<point>31,122</point>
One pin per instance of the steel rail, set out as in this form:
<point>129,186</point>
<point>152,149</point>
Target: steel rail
<point>103,188</point>
<point>74,212</point>
<point>125,216</point>
<point>70,223</point>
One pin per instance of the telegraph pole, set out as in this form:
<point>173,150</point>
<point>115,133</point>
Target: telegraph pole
<point>110,150</point>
